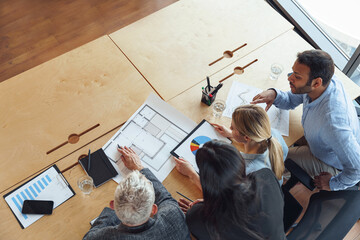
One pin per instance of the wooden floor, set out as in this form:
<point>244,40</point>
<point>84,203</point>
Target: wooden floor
<point>35,31</point>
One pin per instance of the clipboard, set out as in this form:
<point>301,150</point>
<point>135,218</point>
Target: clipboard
<point>47,185</point>
<point>201,134</point>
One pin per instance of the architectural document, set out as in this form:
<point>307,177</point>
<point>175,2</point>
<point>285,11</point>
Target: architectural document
<point>152,132</point>
<point>241,94</point>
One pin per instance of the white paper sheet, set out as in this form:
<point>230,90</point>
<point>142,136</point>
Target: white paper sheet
<point>49,185</point>
<point>241,94</point>
<point>152,132</point>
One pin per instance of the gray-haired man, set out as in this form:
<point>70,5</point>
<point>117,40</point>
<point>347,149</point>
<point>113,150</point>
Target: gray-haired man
<point>144,209</point>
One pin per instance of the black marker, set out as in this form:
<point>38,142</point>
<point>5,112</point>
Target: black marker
<point>217,89</point>
<point>89,154</point>
<point>208,83</point>
<point>184,196</point>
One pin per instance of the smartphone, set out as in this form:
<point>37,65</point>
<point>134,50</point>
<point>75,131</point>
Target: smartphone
<point>37,207</point>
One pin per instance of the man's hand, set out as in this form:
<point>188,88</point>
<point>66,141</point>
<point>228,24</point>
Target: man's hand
<point>130,159</point>
<point>185,205</point>
<point>322,181</point>
<point>224,131</point>
<point>267,97</point>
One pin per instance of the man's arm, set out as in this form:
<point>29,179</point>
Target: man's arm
<point>283,100</point>
<point>107,218</point>
<point>133,162</point>
<point>287,100</point>
<point>161,194</point>
<point>347,149</point>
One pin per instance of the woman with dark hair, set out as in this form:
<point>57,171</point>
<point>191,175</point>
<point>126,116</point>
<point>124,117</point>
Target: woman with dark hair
<point>235,206</point>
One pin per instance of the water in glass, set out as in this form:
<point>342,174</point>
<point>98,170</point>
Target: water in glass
<point>86,184</point>
<point>276,70</point>
<point>218,108</point>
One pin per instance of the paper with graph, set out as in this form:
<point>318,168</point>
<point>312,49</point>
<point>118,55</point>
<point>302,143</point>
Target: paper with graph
<point>201,134</point>
<point>241,94</point>
<point>152,132</point>
<point>48,185</point>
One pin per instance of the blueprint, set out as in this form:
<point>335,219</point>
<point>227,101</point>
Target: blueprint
<point>241,94</point>
<point>152,132</point>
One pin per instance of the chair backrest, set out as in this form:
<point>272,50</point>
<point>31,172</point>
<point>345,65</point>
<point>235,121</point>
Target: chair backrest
<point>297,174</point>
<point>330,215</point>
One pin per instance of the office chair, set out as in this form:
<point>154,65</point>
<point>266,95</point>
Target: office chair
<point>330,215</point>
<point>292,208</point>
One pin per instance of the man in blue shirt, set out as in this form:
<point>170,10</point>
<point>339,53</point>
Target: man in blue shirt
<point>331,127</point>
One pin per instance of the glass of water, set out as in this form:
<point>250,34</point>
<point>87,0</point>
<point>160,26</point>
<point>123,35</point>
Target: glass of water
<point>276,70</point>
<point>218,107</point>
<point>86,184</point>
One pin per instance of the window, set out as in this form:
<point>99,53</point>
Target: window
<point>330,25</point>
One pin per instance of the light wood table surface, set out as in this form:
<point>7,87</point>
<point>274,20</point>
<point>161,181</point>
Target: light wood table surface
<point>97,84</point>
<point>42,107</point>
<point>71,219</point>
<point>173,47</point>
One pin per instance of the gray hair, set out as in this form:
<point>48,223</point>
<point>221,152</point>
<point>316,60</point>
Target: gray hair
<point>134,198</point>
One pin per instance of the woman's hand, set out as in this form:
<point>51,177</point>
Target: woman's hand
<point>185,205</point>
<point>184,167</point>
<point>224,131</point>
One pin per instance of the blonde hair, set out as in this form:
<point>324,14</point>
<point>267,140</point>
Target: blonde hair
<point>134,198</point>
<point>253,121</point>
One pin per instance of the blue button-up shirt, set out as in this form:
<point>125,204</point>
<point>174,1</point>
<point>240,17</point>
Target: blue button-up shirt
<point>331,128</point>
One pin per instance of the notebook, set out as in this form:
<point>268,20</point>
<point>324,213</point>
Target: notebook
<point>101,170</point>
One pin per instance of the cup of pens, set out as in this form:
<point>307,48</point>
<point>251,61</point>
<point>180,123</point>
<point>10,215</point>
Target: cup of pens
<point>209,93</point>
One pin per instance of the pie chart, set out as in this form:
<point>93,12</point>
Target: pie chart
<point>196,142</point>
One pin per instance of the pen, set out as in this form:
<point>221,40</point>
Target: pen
<point>217,89</point>
<point>119,146</point>
<point>208,82</point>
<point>184,196</point>
<point>89,162</point>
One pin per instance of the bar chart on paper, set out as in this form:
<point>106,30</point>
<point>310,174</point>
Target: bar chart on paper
<point>31,193</point>
<point>49,185</point>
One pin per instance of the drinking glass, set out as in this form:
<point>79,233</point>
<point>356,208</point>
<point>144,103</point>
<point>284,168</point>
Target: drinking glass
<point>276,70</point>
<point>86,184</point>
<point>218,108</point>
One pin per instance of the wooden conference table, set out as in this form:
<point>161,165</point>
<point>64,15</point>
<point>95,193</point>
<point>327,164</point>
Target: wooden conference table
<point>97,84</point>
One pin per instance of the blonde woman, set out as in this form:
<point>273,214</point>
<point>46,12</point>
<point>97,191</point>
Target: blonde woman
<point>263,147</point>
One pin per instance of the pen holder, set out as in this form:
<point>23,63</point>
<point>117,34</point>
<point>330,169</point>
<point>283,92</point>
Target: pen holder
<point>207,97</point>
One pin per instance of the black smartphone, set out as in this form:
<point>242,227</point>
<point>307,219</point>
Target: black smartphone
<point>37,207</point>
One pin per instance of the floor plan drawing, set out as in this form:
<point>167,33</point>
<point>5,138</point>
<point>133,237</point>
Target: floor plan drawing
<point>241,94</point>
<point>152,135</point>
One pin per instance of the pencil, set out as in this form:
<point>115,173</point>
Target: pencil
<point>89,162</point>
<point>184,196</point>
